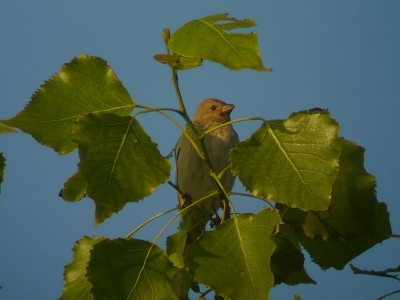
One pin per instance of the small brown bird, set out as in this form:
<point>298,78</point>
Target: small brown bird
<point>193,174</point>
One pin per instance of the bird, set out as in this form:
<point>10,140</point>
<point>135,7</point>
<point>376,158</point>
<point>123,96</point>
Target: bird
<point>192,172</point>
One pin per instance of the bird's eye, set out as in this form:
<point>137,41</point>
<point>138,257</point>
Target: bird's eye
<point>213,107</point>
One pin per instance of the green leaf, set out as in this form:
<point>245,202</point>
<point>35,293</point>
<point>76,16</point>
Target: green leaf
<point>234,259</point>
<point>76,285</point>
<point>74,188</point>
<point>178,62</point>
<point>207,38</point>
<point>6,129</point>
<point>132,269</point>
<point>86,84</point>
<point>176,242</point>
<point>175,248</point>
<point>119,161</point>
<point>286,259</point>
<point>354,210</point>
<point>382,221</point>
<point>293,161</point>
<point>334,252</point>
<point>2,167</point>
<point>299,277</point>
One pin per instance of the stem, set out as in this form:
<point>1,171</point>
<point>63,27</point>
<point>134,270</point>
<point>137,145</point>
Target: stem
<point>205,293</point>
<point>151,109</point>
<point>148,221</point>
<point>389,294</point>
<point>235,121</point>
<point>226,198</point>
<point>223,171</point>
<point>166,212</point>
<point>160,110</point>
<point>202,151</point>
<point>182,108</point>
<point>175,187</point>
<point>177,90</point>
<point>251,196</point>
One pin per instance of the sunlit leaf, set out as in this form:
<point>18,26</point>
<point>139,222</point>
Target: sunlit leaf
<point>353,206</point>
<point>132,269</point>
<point>179,62</point>
<point>86,84</point>
<point>6,129</point>
<point>208,38</point>
<point>293,161</point>
<point>74,188</point>
<point>234,259</point>
<point>76,285</point>
<point>119,161</point>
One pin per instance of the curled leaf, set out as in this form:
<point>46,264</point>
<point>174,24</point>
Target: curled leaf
<point>74,188</point>
<point>178,62</point>
<point>208,38</point>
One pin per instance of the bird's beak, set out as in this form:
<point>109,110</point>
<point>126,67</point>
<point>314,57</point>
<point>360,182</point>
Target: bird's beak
<point>226,109</point>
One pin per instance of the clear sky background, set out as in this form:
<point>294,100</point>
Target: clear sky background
<point>341,55</point>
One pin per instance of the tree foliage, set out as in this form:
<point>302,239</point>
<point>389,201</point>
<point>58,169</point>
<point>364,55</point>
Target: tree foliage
<point>324,199</point>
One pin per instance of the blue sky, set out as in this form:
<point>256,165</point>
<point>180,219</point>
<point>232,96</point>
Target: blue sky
<point>341,55</point>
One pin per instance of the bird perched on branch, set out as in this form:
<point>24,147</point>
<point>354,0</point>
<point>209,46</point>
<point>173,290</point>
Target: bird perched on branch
<point>193,173</point>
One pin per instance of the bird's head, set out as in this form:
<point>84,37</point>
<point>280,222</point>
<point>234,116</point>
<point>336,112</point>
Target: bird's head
<point>213,112</point>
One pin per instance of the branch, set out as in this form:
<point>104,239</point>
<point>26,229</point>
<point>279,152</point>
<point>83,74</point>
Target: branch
<point>389,294</point>
<point>375,273</point>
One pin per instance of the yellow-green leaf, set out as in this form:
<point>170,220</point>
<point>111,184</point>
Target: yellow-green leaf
<point>6,129</point>
<point>86,84</point>
<point>132,269</point>
<point>208,38</point>
<point>119,161</point>
<point>234,259</point>
<point>76,285</point>
<point>74,188</point>
<point>178,62</point>
<point>293,161</point>
<point>354,210</point>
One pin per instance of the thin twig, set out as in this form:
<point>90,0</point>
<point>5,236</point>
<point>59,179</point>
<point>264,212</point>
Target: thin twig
<point>373,273</point>
<point>389,294</point>
<point>148,221</point>
<point>252,196</point>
